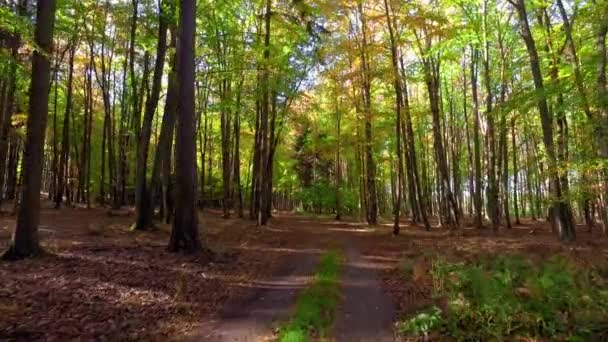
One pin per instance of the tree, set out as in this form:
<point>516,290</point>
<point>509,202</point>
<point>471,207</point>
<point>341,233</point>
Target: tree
<point>561,213</point>
<point>185,235</point>
<point>399,104</point>
<point>142,201</point>
<point>25,242</point>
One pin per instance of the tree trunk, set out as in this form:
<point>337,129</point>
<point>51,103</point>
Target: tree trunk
<point>476,144</point>
<point>492,189</point>
<point>398,106</point>
<point>25,240</point>
<point>446,198</point>
<point>237,152</point>
<point>602,99</point>
<point>65,139</point>
<point>225,91</point>
<point>185,235</point>
<point>142,202</point>
<point>561,210</point>
<point>514,152</point>
<point>370,164</point>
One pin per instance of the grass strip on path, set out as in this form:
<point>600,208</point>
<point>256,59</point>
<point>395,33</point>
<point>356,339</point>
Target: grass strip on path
<point>315,306</point>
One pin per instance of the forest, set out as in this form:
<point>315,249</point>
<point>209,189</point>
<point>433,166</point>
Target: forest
<point>303,170</point>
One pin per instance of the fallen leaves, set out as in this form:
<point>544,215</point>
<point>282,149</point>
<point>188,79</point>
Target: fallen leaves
<point>103,282</point>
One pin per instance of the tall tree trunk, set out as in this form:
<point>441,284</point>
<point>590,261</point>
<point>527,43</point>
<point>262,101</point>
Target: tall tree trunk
<point>142,202</point>
<point>476,144</point>
<point>25,240</point>
<point>515,171</point>
<point>467,135</point>
<point>65,139</point>
<point>338,161</point>
<point>492,189</point>
<point>162,155</point>
<point>561,210</point>
<point>185,235</point>
<point>370,164</point>
<point>260,193</point>
<point>446,198</point>
<point>503,154</point>
<point>236,158</point>
<point>89,130</point>
<point>398,105</point>
<point>602,99</point>
<point>409,137</point>
<point>225,91</point>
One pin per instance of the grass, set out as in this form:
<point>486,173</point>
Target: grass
<point>315,306</point>
<point>511,298</point>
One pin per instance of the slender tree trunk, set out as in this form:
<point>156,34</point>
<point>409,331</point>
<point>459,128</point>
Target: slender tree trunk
<point>25,240</point>
<point>467,136</point>
<point>398,104</point>
<point>162,155</point>
<point>237,152</point>
<point>446,198</point>
<point>561,210</point>
<point>492,189</point>
<point>65,139</point>
<point>338,162</point>
<point>476,143</point>
<point>370,164</point>
<point>225,91</point>
<point>142,201</point>
<point>514,153</point>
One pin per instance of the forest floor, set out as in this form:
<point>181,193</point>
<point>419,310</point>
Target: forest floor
<point>102,281</point>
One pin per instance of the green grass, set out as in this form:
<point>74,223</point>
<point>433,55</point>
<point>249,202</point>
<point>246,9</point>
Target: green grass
<point>315,306</point>
<point>509,297</point>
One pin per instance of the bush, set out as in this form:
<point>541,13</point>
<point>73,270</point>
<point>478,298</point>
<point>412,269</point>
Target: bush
<point>509,297</point>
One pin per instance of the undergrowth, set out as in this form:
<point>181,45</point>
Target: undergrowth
<point>509,297</point>
<point>315,306</point>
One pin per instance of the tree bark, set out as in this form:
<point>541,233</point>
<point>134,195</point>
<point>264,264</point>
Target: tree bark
<point>370,164</point>
<point>25,241</point>
<point>65,137</point>
<point>185,235</point>
<point>142,202</point>
<point>492,188</point>
<point>398,108</point>
<point>561,210</point>
<point>476,144</point>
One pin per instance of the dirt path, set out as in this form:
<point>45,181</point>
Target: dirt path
<point>255,318</point>
<point>367,313</point>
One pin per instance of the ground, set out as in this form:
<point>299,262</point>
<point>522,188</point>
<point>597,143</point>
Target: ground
<point>101,281</point>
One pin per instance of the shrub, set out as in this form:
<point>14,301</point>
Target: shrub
<point>508,297</point>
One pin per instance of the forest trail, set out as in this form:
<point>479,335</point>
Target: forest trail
<point>365,311</point>
<point>254,317</point>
